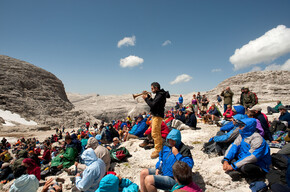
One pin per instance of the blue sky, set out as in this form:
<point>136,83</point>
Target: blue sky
<point>77,41</point>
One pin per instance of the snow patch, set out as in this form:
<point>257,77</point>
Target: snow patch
<point>11,118</point>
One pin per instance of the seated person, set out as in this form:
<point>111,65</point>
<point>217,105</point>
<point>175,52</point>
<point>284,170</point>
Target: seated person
<point>116,143</point>
<point>283,122</point>
<point>223,140</point>
<point>32,167</point>
<point>5,172</point>
<point>46,157</point>
<point>100,151</point>
<point>229,113</point>
<point>180,116</point>
<point>183,176</point>
<point>149,139</point>
<point>213,113</point>
<point>162,176</point>
<point>190,121</point>
<point>249,154</point>
<point>23,181</point>
<point>115,183</point>
<point>139,130</point>
<point>66,159</point>
<point>239,109</point>
<point>96,169</point>
<point>275,109</point>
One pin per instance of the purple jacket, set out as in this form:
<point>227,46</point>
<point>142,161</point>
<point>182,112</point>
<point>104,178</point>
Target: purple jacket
<point>260,128</point>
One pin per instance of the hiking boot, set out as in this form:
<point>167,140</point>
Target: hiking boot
<point>144,144</point>
<point>149,146</point>
<point>154,155</point>
<point>235,175</point>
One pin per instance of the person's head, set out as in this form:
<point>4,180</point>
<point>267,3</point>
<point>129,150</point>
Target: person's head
<point>180,95</point>
<point>278,102</point>
<point>282,109</point>
<point>189,110</point>
<point>110,126</point>
<point>67,139</point>
<point>228,88</point>
<point>217,96</point>
<point>251,114</point>
<point>246,89</point>
<point>116,140</point>
<point>243,89</point>
<point>256,109</point>
<point>139,118</point>
<point>182,173</point>
<point>198,93</point>
<point>229,106</point>
<point>247,127</point>
<point>213,105</point>
<point>155,87</point>
<point>194,96</point>
<point>174,138</point>
<point>180,112</point>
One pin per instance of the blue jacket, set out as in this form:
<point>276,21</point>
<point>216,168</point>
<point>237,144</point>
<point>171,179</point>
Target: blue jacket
<point>249,147</point>
<point>167,158</point>
<point>93,173</point>
<point>111,183</point>
<point>285,117</point>
<point>232,134</point>
<point>25,183</point>
<point>141,128</point>
<point>180,100</point>
<point>133,130</point>
<point>229,126</point>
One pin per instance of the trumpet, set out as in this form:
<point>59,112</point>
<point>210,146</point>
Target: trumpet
<point>143,93</point>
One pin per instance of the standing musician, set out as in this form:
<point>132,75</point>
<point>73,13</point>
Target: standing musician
<point>157,110</point>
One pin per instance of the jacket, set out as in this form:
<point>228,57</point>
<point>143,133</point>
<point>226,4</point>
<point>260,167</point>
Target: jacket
<point>68,159</point>
<point>260,129</point>
<point>249,100</point>
<point>180,100</point>
<point>167,158</point>
<point>164,130</point>
<point>231,135</point>
<point>180,117</point>
<point>249,147</point>
<point>141,128</point>
<point>228,97</point>
<point>25,183</point>
<point>93,173</point>
<point>229,113</point>
<point>277,106</point>
<point>158,103</point>
<point>100,151</point>
<point>285,117</point>
<point>111,183</point>
<point>33,168</point>
<point>263,121</point>
<point>229,126</point>
<point>191,121</point>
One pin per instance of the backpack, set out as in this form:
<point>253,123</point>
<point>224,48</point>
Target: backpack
<point>256,98</point>
<point>119,155</point>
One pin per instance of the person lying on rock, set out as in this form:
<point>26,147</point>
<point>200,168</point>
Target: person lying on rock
<point>115,183</point>
<point>249,155</point>
<point>275,109</point>
<point>162,176</point>
<point>66,159</point>
<point>89,179</point>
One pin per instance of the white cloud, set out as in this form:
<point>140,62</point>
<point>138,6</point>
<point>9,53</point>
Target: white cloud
<point>167,42</point>
<point>216,70</point>
<point>127,41</point>
<point>180,79</point>
<point>273,44</point>
<point>256,68</point>
<point>275,67</point>
<point>131,61</point>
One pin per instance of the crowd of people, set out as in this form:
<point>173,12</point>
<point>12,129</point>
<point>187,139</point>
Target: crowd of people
<point>244,139</point>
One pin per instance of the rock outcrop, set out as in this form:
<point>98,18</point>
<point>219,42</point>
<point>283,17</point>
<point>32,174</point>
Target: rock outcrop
<point>36,94</point>
<point>268,85</point>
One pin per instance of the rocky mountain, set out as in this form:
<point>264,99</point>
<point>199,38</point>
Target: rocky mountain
<point>268,85</point>
<point>34,93</point>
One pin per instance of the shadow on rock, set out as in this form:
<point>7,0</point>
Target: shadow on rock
<point>198,179</point>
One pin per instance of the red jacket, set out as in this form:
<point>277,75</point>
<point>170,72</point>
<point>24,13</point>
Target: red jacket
<point>164,130</point>
<point>46,155</point>
<point>32,168</point>
<point>229,113</point>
